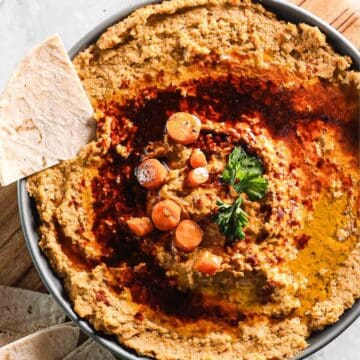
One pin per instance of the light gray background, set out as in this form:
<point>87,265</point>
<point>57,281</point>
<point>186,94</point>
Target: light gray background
<point>24,23</point>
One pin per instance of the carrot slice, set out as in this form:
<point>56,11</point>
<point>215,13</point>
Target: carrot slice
<point>151,174</point>
<point>208,263</point>
<point>183,128</point>
<point>197,177</point>
<point>166,215</point>
<point>197,158</point>
<point>188,235</point>
<point>140,226</point>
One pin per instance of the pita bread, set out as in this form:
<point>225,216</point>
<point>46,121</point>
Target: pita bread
<point>45,115</point>
<point>53,343</point>
<point>90,350</point>
<point>23,312</point>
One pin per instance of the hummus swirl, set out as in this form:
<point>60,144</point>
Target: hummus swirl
<point>276,89</point>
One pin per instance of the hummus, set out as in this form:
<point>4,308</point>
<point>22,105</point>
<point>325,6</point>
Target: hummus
<point>277,90</point>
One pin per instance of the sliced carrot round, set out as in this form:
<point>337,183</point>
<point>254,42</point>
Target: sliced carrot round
<point>151,174</point>
<point>197,177</point>
<point>166,215</point>
<point>140,226</point>
<point>188,235</point>
<point>208,263</point>
<point>197,158</point>
<point>183,128</point>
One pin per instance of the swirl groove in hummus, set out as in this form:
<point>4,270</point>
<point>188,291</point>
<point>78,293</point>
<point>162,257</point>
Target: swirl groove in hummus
<point>274,88</point>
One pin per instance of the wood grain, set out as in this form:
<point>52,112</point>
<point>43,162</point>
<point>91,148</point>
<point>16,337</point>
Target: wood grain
<point>16,268</point>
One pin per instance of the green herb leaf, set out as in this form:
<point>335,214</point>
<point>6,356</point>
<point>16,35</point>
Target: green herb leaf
<point>240,163</point>
<point>244,173</point>
<point>253,186</point>
<point>231,220</point>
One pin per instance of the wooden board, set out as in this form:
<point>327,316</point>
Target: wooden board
<point>16,268</point>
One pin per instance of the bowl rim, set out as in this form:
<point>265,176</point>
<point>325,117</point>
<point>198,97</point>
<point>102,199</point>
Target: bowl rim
<point>284,11</point>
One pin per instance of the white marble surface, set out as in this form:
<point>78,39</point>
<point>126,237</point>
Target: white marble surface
<point>23,23</point>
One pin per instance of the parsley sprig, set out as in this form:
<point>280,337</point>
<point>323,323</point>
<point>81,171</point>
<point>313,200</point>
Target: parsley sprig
<point>244,173</point>
<point>231,219</point>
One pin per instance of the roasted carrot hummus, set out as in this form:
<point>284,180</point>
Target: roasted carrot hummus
<point>216,214</point>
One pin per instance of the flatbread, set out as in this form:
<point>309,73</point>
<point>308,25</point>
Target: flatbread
<point>23,312</point>
<point>53,343</point>
<point>45,115</point>
<point>90,350</point>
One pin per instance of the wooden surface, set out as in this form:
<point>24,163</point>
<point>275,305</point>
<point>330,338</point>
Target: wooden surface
<point>16,268</point>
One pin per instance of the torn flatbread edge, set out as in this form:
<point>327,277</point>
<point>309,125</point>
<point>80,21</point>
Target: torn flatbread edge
<point>37,111</point>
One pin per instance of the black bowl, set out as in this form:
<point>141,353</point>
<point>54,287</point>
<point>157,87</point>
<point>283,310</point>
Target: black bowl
<point>28,213</point>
